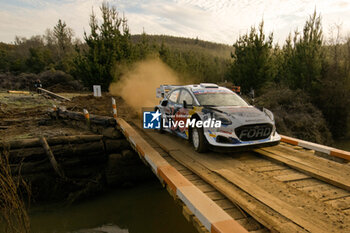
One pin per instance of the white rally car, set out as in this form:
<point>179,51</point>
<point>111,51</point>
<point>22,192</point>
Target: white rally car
<point>214,117</point>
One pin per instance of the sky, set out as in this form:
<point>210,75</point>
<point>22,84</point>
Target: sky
<point>218,21</point>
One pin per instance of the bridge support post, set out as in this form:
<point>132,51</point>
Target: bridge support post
<point>114,106</point>
<point>87,118</point>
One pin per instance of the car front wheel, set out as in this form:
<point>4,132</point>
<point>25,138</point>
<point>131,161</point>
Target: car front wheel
<point>199,141</point>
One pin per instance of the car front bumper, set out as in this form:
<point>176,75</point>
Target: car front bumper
<point>270,141</point>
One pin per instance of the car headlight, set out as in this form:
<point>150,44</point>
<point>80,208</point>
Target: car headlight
<point>221,117</point>
<point>269,114</point>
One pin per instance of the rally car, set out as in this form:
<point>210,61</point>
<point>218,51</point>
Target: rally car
<point>213,117</point>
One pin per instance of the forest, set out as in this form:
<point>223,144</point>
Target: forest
<point>305,81</point>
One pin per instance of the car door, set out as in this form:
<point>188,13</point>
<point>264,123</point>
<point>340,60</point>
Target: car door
<point>182,113</point>
<point>169,110</point>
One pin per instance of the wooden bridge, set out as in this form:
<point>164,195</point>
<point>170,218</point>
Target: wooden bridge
<point>285,188</point>
<point>297,186</point>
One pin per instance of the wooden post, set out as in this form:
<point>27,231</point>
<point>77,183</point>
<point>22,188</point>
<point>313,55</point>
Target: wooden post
<point>87,118</point>
<point>52,159</point>
<point>54,108</point>
<point>114,106</point>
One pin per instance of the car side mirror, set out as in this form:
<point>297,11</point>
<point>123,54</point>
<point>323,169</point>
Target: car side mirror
<point>164,103</point>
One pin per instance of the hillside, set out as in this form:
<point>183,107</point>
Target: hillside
<point>186,44</point>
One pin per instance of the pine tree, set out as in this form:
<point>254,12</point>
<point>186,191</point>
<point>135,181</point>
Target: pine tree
<point>252,59</point>
<point>304,57</point>
<point>108,44</point>
<point>63,35</point>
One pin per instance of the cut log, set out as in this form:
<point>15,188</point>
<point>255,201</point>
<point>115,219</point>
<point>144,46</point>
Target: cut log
<point>19,92</point>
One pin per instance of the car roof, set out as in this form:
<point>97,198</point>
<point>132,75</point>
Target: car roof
<point>204,87</point>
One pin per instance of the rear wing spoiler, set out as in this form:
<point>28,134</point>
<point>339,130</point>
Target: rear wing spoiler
<point>163,90</point>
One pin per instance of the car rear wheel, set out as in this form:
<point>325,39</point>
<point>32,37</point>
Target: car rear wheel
<point>199,141</point>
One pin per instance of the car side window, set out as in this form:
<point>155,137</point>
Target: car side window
<point>185,95</point>
<point>173,96</point>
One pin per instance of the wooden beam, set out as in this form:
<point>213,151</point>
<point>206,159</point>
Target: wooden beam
<point>52,159</point>
<point>315,169</point>
<point>53,94</point>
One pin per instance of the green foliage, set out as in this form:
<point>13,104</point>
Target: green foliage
<point>63,36</point>
<point>107,43</point>
<point>334,92</point>
<point>38,59</point>
<point>304,57</point>
<point>295,114</point>
<point>252,63</point>
<point>194,64</point>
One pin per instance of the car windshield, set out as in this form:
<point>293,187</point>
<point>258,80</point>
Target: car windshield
<point>220,99</point>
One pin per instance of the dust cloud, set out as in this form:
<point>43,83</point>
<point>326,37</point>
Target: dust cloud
<point>138,86</point>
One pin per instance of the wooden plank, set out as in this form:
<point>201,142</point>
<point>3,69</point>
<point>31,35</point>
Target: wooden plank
<point>192,177</point>
<point>259,211</point>
<point>236,213</point>
<point>304,183</point>
<point>53,94</point>
<point>269,168</point>
<point>205,188</point>
<point>325,192</point>
<point>309,159</point>
<point>187,213</point>
<point>215,195</point>
<point>225,204</point>
<point>292,177</point>
<point>324,175</point>
<point>298,216</point>
<point>341,203</point>
<point>249,223</point>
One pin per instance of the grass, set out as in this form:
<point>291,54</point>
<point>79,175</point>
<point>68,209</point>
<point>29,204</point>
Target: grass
<point>13,212</point>
<point>21,101</point>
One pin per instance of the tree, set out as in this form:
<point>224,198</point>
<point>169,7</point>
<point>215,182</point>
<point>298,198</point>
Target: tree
<point>63,35</point>
<point>108,44</point>
<point>304,57</point>
<point>252,63</point>
<point>38,60</point>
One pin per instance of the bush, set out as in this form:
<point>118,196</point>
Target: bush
<point>295,115</point>
<point>52,80</point>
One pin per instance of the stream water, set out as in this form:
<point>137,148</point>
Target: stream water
<point>146,208</point>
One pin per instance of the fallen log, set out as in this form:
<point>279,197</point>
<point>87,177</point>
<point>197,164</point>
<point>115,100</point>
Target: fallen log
<point>61,150</point>
<point>19,92</point>
<point>79,116</point>
<point>30,167</point>
<point>35,142</point>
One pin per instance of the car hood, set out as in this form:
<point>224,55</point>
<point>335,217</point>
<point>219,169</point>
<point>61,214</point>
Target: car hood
<point>243,115</point>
